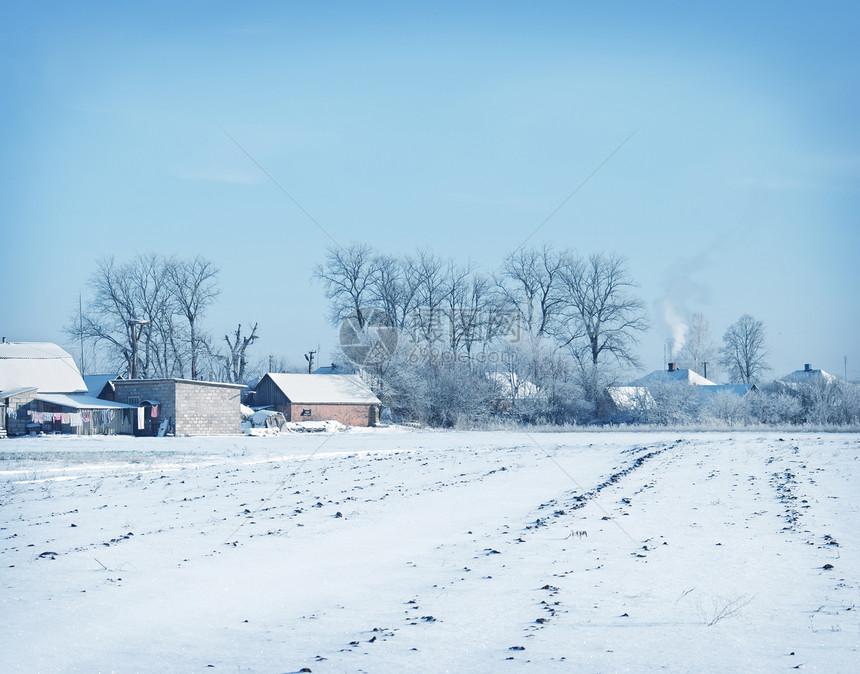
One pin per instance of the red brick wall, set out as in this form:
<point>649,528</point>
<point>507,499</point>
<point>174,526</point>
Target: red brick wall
<point>349,415</point>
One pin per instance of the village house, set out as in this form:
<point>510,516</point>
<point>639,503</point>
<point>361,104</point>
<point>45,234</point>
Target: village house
<point>643,393</point>
<point>681,375</point>
<point>808,375</point>
<point>41,390</point>
<point>308,397</point>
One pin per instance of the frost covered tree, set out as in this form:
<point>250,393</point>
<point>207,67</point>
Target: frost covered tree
<point>565,322</point>
<point>744,351</point>
<point>698,347</point>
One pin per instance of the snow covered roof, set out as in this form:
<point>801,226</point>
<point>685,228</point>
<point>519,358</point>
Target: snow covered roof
<point>41,364</point>
<point>332,388</point>
<point>335,368</point>
<point>630,397</point>
<point>809,376</point>
<point>81,402</point>
<point>682,375</point>
<point>508,382</point>
<point>739,390</point>
<point>16,391</point>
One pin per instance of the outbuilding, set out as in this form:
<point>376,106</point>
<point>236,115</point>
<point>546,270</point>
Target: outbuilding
<point>309,397</point>
<point>181,406</point>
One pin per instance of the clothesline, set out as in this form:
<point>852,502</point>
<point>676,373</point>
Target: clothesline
<point>74,419</point>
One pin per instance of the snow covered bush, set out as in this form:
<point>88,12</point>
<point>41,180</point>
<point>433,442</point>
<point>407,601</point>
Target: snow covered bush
<point>724,408</point>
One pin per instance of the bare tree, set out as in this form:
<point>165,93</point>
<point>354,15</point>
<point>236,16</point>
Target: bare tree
<point>124,295</point>
<point>347,275</point>
<point>744,351</point>
<point>698,347</point>
<point>480,318</point>
<point>456,284</point>
<point>394,289</point>
<point>530,281</point>
<point>151,307</point>
<point>601,319</point>
<point>428,272</point>
<point>236,358</point>
<point>194,286</point>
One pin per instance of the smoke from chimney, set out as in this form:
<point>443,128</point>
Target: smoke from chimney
<point>677,325</point>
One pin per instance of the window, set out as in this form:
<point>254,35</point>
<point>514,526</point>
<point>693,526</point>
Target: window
<point>134,400</point>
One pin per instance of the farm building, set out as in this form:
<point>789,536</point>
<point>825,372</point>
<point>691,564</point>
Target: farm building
<point>307,397</point>
<point>43,391</point>
<point>808,375</point>
<point>181,406</point>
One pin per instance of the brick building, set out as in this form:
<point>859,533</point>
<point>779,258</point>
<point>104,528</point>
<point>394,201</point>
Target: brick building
<point>182,406</point>
<point>312,397</point>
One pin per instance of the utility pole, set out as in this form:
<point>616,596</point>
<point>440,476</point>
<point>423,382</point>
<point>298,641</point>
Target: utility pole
<point>136,325</point>
<point>81,331</point>
<point>310,358</point>
<point>271,363</point>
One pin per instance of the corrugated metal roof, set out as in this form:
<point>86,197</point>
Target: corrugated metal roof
<point>40,364</point>
<point>330,388</point>
<point>81,402</point>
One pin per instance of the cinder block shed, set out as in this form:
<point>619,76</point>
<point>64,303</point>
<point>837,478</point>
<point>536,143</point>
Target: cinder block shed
<point>182,406</point>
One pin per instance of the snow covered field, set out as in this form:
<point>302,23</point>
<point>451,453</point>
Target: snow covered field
<point>390,551</point>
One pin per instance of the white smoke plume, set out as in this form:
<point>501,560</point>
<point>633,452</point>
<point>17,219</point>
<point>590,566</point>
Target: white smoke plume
<point>676,324</point>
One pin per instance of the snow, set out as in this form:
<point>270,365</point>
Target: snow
<point>395,550</point>
<point>81,401</point>
<point>260,417</point>
<point>809,377</point>
<point>680,375</point>
<point>40,364</point>
<point>329,388</point>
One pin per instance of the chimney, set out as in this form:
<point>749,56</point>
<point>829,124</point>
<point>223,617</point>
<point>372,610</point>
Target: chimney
<point>807,367</point>
<point>671,367</point>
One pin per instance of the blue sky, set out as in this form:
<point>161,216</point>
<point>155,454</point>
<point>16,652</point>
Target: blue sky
<point>456,126</point>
